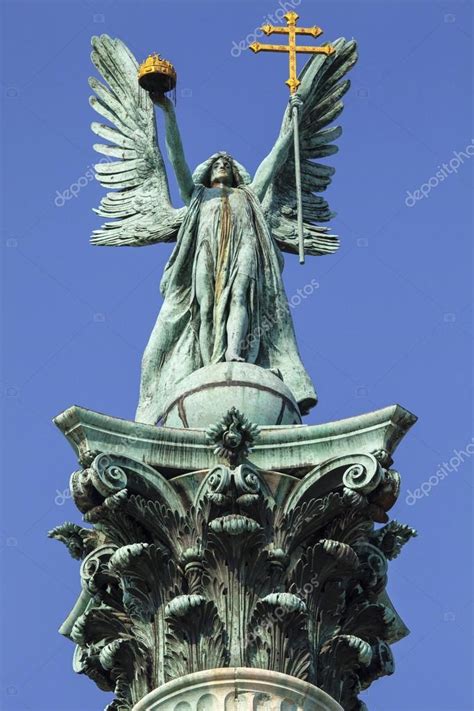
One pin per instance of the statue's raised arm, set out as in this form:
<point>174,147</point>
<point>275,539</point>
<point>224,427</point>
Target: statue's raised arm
<point>140,208</point>
<point>319,96</point>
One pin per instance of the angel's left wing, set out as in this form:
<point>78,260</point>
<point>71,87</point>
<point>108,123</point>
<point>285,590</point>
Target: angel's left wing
<point>140,208</point>
<point>321,90</point>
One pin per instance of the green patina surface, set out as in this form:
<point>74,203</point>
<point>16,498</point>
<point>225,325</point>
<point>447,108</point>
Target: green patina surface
<point>224,298</point>
<point>233,563</point>
<point>232,535</point>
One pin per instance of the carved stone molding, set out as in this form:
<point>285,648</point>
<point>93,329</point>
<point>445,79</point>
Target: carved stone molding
<point>282,448</point>
<point>234,566</point>
<point>237,689</point>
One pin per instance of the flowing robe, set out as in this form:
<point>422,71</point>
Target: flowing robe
<point>230,227</point>
<point>226,247</point>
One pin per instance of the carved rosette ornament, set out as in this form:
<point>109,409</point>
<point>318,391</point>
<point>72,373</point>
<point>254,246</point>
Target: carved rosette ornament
<point>234,566</point>
<point>233,437</point>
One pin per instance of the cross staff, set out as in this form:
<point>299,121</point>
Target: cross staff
<point>293,83</point>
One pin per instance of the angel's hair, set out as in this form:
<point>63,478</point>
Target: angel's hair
<point>202,173</point>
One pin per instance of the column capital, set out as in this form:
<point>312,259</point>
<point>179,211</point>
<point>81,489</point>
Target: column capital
<point>234,564</point>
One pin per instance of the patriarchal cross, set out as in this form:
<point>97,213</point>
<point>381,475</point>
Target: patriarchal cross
<point>293,83</point>
<point>292,48</point>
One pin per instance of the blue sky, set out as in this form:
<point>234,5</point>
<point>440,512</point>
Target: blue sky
<point>390,320</point>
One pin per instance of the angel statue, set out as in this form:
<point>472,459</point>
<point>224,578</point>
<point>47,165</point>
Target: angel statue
<point>223,295</point>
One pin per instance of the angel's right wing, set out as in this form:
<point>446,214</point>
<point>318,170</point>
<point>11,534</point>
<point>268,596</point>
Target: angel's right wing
<point>323,84</point>
<point>141,207</point>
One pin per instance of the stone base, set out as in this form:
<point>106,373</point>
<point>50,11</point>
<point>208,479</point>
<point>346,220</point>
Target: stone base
<point>237,689</point>
<point>206,395</point>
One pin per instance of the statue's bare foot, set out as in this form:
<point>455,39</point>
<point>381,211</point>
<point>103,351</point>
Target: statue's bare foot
<point>232,357</point>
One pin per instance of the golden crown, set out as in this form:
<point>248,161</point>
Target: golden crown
<point>157,71</point>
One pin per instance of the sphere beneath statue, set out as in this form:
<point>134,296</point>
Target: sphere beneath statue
<point>205,396</point>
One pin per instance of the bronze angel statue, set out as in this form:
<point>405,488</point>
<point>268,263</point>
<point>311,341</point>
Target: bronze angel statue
<point>224,298</point>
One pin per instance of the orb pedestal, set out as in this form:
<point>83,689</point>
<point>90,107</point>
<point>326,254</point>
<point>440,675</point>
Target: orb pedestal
<point>207,394</point>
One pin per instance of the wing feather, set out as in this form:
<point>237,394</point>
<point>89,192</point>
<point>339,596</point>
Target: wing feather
<point>322,138</point>
<point>112,134</point>
<point>115,151</point>
<point>140,208</point>
<point>323,86</point>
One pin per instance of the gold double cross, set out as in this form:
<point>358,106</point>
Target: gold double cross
<point>292,48</point>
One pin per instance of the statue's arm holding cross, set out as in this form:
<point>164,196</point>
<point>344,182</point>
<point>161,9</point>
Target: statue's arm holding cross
<point>276,158</point>
<point>293,83</point>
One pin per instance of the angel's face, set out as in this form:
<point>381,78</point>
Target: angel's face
<point>221,171</point>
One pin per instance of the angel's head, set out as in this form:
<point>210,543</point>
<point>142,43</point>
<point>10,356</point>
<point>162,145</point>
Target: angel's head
<point>221,169</point>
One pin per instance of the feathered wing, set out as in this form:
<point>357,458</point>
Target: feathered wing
<point>322,88</point>
<point>140,208</point>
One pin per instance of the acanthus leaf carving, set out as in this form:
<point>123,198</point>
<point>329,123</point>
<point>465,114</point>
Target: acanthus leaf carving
<point>126,660</point>
<point>277,636</point>
<point>148,578</point>
<point>78,540</point>
<point>392,537</point>
<point>233,575</point>
<point>342,660</point>
<point>196,638</point>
